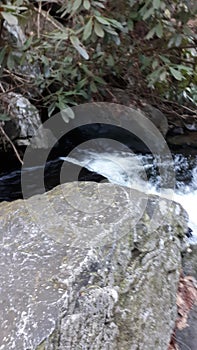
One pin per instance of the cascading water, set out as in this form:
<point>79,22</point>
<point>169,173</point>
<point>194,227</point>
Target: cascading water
<point>128,170</point>
<point>122,168</point>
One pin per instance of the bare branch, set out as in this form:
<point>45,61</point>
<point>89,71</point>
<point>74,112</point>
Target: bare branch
<point>13,146</point>
<point>38,19</point>
<point>49,18</point>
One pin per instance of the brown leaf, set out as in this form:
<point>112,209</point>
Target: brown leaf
<point>186,298</point>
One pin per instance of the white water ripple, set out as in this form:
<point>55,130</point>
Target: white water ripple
<point>127,169</point>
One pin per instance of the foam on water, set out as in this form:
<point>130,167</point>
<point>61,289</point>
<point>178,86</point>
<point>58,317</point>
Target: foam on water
<point>187,197</point>
<point>129,170</point>
<point>189,203</point>
<point>125,169</point>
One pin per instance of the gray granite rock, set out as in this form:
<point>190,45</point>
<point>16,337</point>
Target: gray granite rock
<point>153,114</point>
<point>79,271</point>
<point>190,261</point>
<point>187,139</point>
<point>24,123</point>
<point>187,338</point>
<point>157,118</point>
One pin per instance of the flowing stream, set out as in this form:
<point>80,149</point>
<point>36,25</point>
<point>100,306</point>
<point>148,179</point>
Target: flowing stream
<point>142,172</point>
<point>145,174</point>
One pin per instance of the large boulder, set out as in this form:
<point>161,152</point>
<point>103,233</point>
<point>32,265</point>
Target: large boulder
<point>156,117</point>
<point>126,98</point>
<point>24,124</point>
<point>81,269</point>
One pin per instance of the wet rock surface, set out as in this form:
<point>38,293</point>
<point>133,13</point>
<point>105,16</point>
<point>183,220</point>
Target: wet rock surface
<point>157,118</point>
<point>190,262</point>
<point>79,272</point>
<point>187,338</point>
<point>186,139</point>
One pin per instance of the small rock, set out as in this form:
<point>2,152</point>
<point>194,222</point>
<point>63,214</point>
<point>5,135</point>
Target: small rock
<point>187,139</point>
<point>157,117</point>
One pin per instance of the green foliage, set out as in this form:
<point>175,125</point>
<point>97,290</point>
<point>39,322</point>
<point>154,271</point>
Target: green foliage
<point>4,117</point>
<point>10,12</point>
<point>150,42</point>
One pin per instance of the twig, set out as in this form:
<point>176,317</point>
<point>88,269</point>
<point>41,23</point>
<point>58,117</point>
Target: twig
<point>153,48</point>
<point>2,88</point>
<point>176,104</point>
<point>17,76</point>
<point>183,60</point>
<point>5,92</point>
<point>38,19</point>
<point>49,18</point>
<point>10,141</point>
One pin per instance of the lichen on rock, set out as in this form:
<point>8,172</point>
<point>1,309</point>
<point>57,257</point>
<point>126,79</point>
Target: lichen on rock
<point>75,279</point>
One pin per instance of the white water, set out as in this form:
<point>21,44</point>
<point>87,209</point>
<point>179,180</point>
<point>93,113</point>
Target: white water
<point>126,169</point>
<point>187,197</point>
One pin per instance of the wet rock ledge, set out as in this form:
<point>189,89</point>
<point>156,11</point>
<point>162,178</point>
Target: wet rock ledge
<point>79,271</point>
